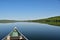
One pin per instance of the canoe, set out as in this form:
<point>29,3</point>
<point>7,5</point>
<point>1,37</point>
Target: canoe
<point>15,35</point>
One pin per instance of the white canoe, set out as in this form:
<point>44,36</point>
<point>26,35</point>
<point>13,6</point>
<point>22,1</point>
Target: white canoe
<point>15,35</point>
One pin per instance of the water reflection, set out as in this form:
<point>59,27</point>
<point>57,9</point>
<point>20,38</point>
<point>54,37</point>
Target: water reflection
<point>33,31</point>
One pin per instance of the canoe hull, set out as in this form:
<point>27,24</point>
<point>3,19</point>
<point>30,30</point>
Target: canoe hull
<point>15,35</point>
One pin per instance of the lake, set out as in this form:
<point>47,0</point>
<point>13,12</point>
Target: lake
<point>33,31</point>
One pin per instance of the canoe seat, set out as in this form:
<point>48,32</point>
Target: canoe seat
<point>16,38</point>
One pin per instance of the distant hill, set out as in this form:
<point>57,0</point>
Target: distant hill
<point>52,20</point>
<point>7,21</point>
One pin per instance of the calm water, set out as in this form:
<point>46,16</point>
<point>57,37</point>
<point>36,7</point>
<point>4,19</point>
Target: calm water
<point>33,31</point>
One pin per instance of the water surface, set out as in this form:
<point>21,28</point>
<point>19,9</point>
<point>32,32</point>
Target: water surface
<point>33,31</point>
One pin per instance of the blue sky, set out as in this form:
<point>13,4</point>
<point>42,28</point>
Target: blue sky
<point>29,9</point>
